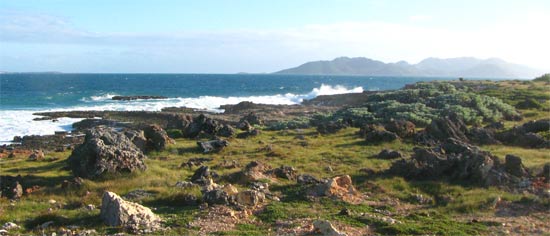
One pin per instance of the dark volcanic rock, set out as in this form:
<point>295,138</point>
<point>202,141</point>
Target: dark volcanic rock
<point>128,98</point>
<point>253,119</point>
<point>105,151</point>
<point>10,187</point>
<point>226,131</point>
<point>330,127</point>
<point>402,128</point>
<point>90,123</point>
<point>537,126</point>
<point>482,136</point>
<point>389,154</point>
<point>245,126</point>
<point>286,172</point>
<point>157,138</point>
<point>514,166</point>
<point>213,145</point>
<point>202,174</point>
<point>138,138</point>
<point>377,136</point>
<point>448,127</point>
<point>455,160</point>
<point>201,124</point>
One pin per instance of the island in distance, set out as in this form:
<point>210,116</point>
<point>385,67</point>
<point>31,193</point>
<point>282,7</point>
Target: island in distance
<point>451,67</point>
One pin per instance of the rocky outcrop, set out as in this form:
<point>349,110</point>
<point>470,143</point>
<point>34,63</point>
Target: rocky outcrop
<point>202,175</point>
<point>402,128</point>
<point>213,145</point>
<point>285,172</point>
<point>134,217</point>
<point>36,155</point>
<point>526,135</point>
<point>226,131</point>
<point>339,187</point>
<point>325,228</point>
<point>330,127</point>
<point>252,119</point>
<point>10,187</point>
<point>455,160</point>
<point>105,151</point>
<point>157,138</point>
<point>249,197</point>
<point>447,127</point>
<point>94,122</point>
<point>252,172</point>
<point>378,136</point>
<point>138,138</point>
<point>482,136</point>
<point>514,166</point>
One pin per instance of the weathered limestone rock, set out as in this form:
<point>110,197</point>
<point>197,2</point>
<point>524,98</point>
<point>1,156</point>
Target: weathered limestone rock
<point>105,151</point>
<point>117,212</point>
<point>325,228</point>
<point>157,138</point>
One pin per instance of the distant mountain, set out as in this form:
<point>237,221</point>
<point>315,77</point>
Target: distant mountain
<point>452,67</point>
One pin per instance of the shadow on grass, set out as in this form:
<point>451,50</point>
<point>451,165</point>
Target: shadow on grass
<point>54,166</point>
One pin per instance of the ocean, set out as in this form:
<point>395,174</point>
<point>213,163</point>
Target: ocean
<point>21,95</point>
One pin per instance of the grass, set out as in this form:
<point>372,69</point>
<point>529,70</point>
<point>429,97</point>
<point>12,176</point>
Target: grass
<point>343,152</point>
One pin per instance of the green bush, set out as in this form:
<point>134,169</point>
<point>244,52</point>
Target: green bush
<point>543,78</point>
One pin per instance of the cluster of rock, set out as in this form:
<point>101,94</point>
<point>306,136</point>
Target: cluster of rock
<point>452,126</point>
<point>459,161</point>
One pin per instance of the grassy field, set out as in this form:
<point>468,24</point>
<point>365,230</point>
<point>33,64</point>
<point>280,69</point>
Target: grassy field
<point>450,208</point>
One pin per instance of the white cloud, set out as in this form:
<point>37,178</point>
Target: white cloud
<point>524,42</point>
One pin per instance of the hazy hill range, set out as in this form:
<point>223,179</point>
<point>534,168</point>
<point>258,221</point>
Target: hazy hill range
<point>453,67</point>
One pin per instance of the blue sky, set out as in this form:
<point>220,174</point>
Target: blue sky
<point>262,36</point>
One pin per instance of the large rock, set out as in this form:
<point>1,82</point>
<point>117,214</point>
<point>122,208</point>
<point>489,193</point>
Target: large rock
<point>285,172</point>
<point>249,198</point>
<point>36,155</point>
<point>226,131</point>
<point>482,136</point>
<point>402,128</point>
<point>213,145</point>
<point>526,135</point>
<point>134,217</point>
<point>325,228</point>
<point>340,187</point>
<point>105,151</point>
<point>448,127</point>
<point>10,187</point>
<point>455,160</point>
<point>157,138</point>
<point>252,172</point>
<point>202,124</point>
<point>138,138</point>
<point>253,119</point>
<point>514,166</point>
<point>202,175</point>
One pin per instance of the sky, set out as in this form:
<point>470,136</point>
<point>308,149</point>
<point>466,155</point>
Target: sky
<point>259,36</point>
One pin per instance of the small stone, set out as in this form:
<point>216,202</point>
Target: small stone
<point>90,207</point>
<point>325,228</point>
<point>46,224</point>
<point>51,201</point>
<point>10,226</point>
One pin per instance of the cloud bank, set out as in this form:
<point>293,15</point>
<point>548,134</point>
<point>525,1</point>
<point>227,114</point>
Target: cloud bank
<point>46,42</point>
